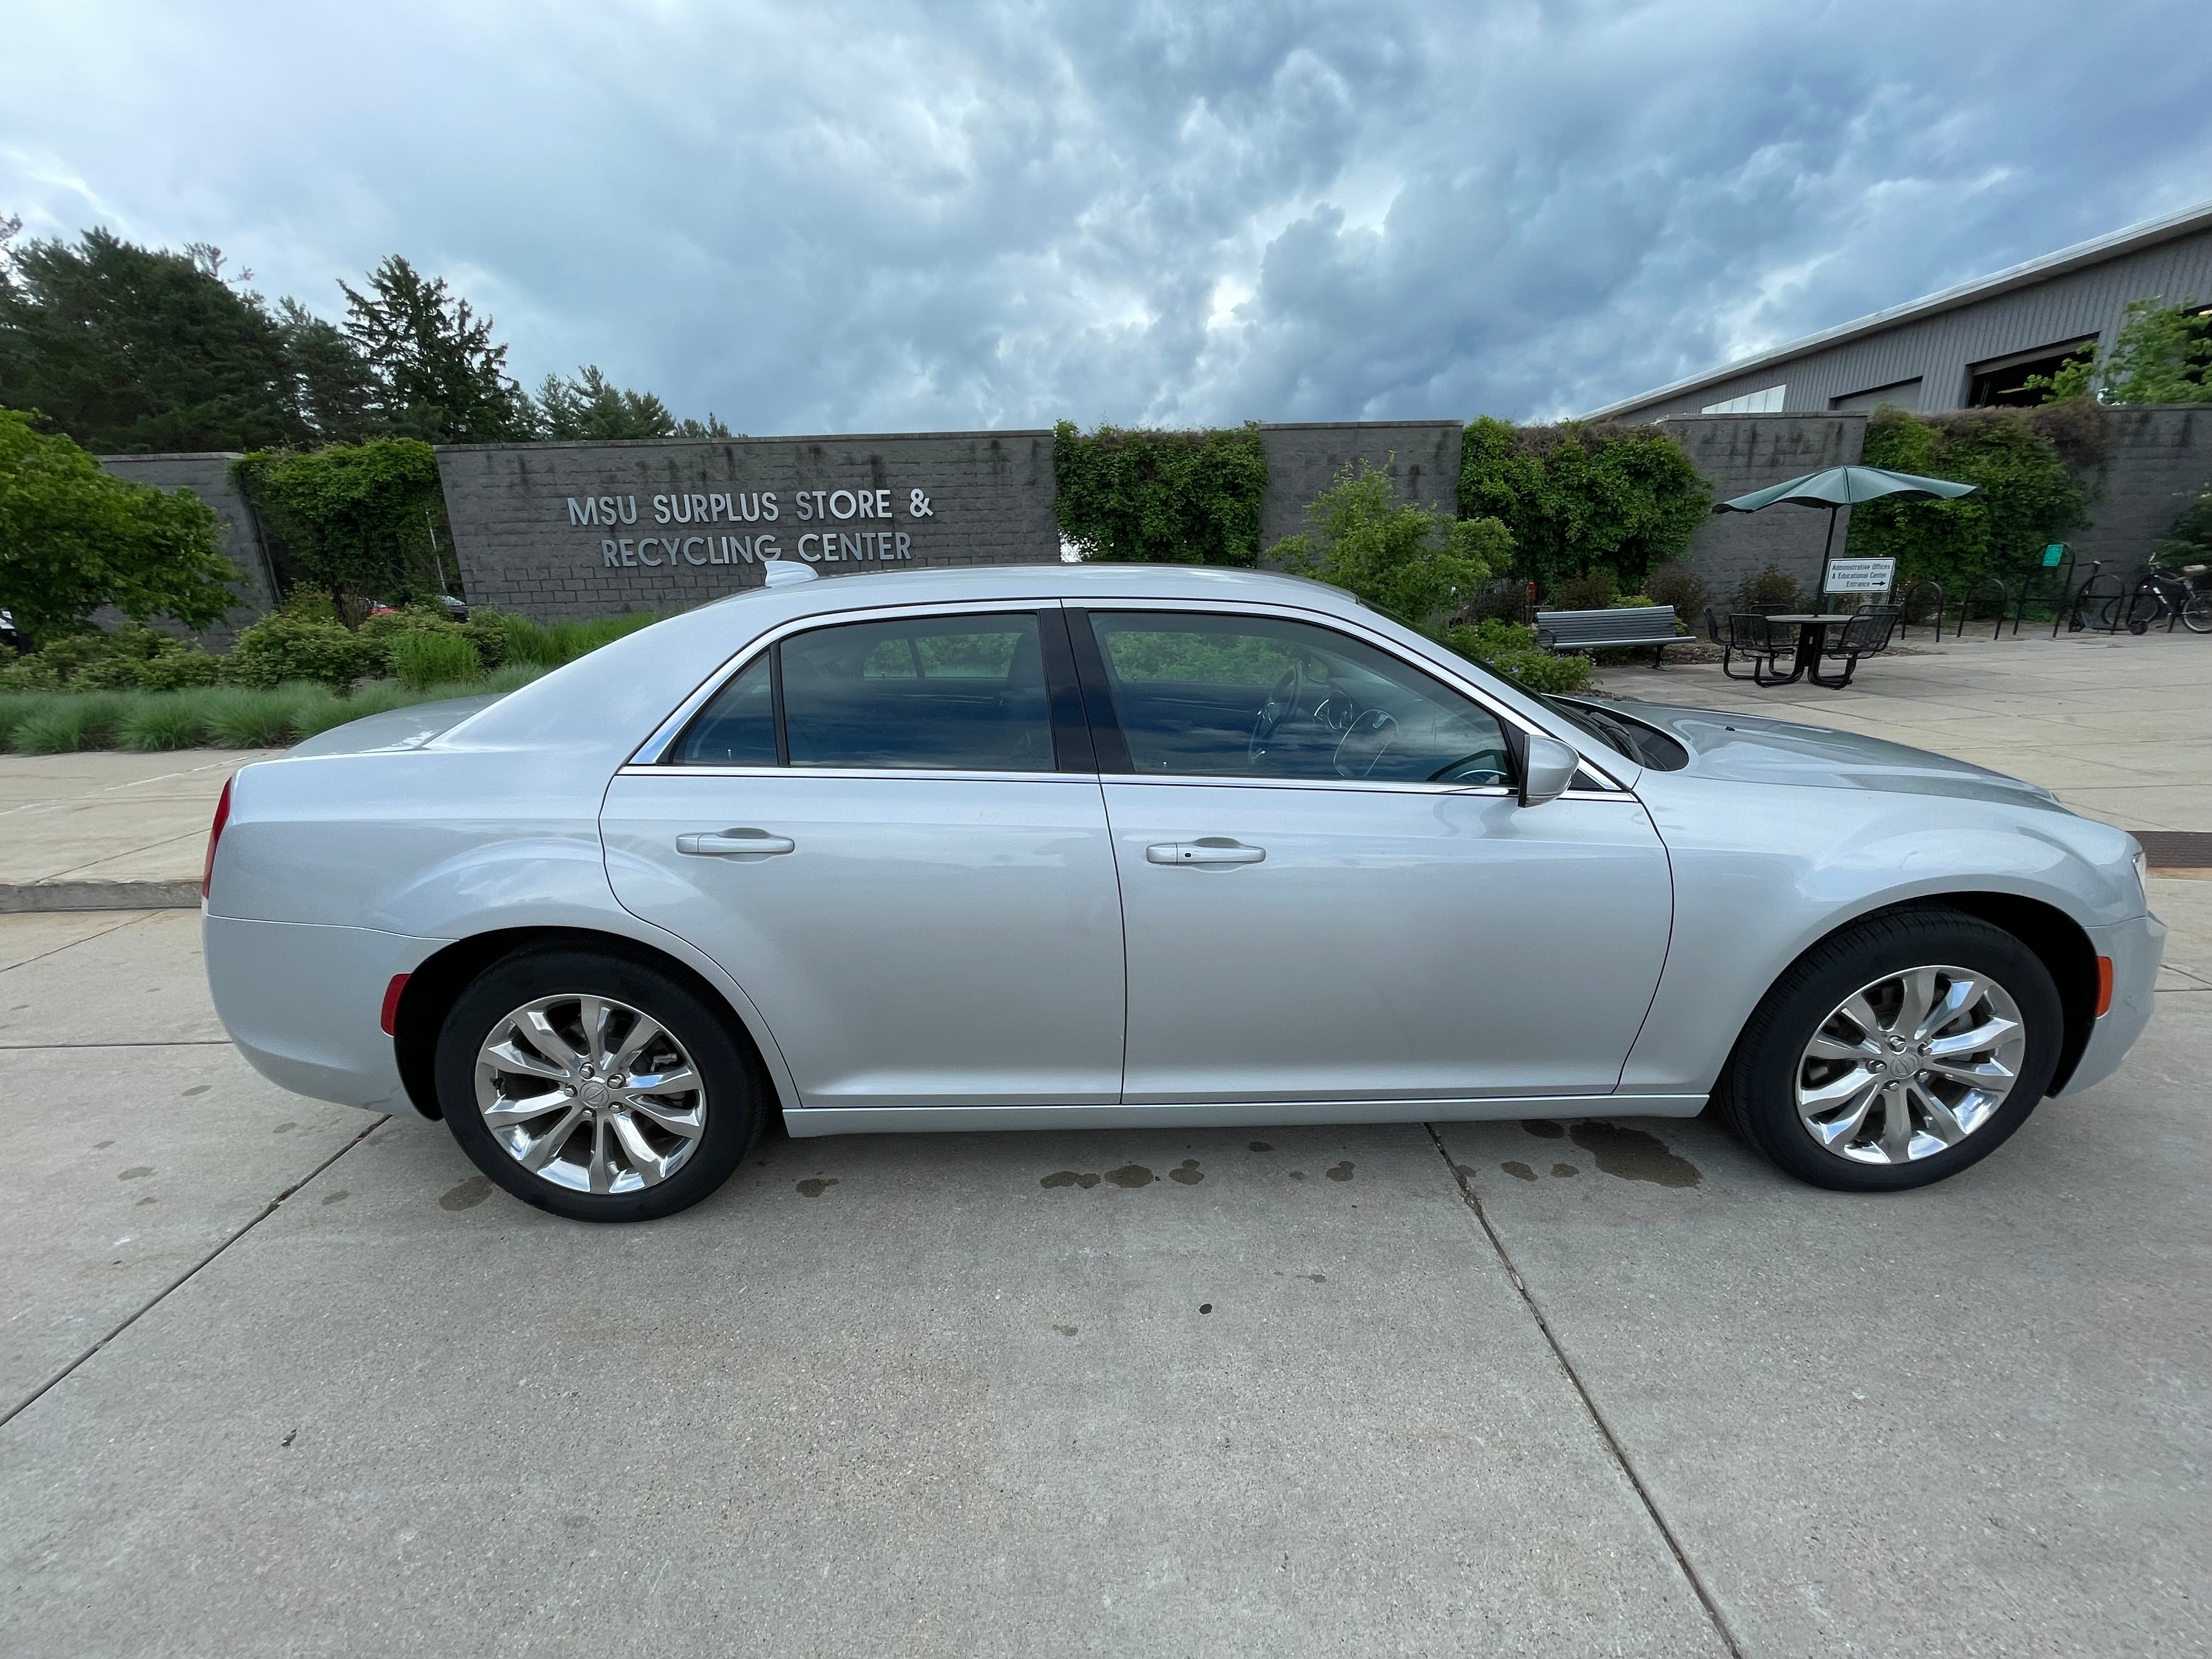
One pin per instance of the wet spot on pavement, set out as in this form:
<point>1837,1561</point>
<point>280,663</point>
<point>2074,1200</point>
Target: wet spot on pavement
<point>1260,1147</point>
<point>467,1195</point>
<point>144,1202</point>
<point>1188,1175</point>
<point>337,1197</point>
<point>1544,1126</point>
<point>1083,1178</point>
<point>1298,1175</point>
<point>815,1186</point>
<point>101,1145</point>
<point>283,1128</point>
<point>1566,1169</point>
<point>1131,1175</point>
<point>1517,1169</point>
<point>1634,1155</point>
<point>1338,1172</point>
<point>136,1172</point>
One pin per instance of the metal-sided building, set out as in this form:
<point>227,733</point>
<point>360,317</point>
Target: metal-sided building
<point>1967,347</point>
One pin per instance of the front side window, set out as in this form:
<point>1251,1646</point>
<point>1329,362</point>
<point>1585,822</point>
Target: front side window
<point>936,693</point>
<point>1260,697</point>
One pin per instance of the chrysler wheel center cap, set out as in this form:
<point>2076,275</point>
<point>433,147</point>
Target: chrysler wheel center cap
<point>595,1094</point>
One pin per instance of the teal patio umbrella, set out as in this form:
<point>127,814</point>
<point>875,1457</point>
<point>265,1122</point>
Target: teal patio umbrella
<point>1838,487</point>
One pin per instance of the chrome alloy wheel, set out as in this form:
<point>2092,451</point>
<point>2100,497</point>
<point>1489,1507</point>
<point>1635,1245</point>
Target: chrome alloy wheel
<point>1910,1065</point>
<point>590,1094</point>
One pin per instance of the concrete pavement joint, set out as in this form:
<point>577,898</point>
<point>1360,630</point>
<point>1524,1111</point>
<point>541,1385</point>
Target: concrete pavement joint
<point>133,922</point>
<point>1612,1444</point>
<point>178,1283</point>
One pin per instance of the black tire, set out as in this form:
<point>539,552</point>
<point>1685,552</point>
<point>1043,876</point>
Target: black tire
<point>735,1092</point>
<point>1757,1091</point>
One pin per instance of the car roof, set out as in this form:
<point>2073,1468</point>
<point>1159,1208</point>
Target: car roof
<point>1088,581</point>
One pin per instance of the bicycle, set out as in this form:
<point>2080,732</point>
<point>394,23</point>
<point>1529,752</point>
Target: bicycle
<point>2160,591</point>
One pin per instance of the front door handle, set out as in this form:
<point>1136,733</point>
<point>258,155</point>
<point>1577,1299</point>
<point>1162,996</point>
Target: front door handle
<point>734,844</point>
<point>1209,849</point>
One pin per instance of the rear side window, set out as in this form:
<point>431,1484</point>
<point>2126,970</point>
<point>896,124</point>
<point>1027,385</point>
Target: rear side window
<point>936,693</point>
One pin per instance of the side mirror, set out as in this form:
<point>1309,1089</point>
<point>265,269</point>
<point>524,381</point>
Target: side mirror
<point>1547,769</point>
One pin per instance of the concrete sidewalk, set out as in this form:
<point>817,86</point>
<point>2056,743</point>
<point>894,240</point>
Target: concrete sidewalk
<point>2119,728</point>
<point>279,1377</point>
<point>104,830</point>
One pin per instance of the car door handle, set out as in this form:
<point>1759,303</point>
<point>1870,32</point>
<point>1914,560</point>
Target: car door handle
<point>1213,849</point>
<point>734,844</point>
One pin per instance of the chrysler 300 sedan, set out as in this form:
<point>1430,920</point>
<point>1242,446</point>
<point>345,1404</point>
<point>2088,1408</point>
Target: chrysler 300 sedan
<point>1129,846</point>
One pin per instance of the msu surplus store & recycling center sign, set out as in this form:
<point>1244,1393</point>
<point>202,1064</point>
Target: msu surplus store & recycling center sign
<point>723,526</point>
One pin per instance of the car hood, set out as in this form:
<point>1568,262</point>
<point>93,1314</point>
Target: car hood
<point>399,728</point>
<point>1752,749</point>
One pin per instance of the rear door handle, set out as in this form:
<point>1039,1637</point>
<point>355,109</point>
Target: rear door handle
<point>734,844</point>
<point>1210,849</point>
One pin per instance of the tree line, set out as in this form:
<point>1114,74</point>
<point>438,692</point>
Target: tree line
<point>134,350</point>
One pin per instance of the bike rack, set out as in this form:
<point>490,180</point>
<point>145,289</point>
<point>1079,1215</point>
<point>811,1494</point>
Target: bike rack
<point>1916,590</point>
<point>1986,588</point>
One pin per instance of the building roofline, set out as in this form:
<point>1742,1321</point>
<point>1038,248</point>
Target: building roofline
<point>2148,234</point>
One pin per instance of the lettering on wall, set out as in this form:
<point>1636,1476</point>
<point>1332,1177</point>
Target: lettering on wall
<point>855,525</point>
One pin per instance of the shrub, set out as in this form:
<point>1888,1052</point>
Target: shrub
<point>1583,495</point>
<point>1770,589</point>
<point>29,673</point>
<point>1156,497</point>
<point>576,639</point>
<point>487,631</point>
<point>1411,562</point>
<point>1674,583</point>
<point>178,669</point>
<point>280,647</point>
<point>514,677</point>
<point>1595,589</point>
<point>1510,649</point>
<point>239,717</point>
<point>421,659</point>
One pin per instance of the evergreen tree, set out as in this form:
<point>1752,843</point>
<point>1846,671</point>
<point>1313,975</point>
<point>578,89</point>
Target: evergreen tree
<point>333,391</point>
<point>591,406</point>
<point>442,378</point>
<point>131,350</point>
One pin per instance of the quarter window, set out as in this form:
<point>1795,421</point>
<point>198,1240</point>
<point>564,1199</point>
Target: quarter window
<point>1260,697</point>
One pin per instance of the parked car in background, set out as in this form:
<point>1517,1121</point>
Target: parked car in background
<point>1144,846</point>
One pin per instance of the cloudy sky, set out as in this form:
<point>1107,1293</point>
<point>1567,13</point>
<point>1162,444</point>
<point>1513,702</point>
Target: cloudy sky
<point>854,217</point>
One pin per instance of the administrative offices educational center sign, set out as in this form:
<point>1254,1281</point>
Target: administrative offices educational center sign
<point>583,529</point>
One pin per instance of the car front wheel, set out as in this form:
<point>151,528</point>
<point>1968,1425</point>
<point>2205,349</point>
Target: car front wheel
<point>596,1087</point>
<point>1896,1053</point>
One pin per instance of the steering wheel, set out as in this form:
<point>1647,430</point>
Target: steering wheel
<point>1364,743</point>
<point>1282,702</point>
<point>1496,772</point>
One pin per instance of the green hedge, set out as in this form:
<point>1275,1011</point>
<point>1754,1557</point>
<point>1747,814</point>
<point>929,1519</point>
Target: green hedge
<point>1584,496</point>
<point>1153,497</point>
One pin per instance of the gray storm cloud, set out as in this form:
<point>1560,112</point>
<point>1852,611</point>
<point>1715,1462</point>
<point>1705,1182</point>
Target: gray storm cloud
<point>869,218</point>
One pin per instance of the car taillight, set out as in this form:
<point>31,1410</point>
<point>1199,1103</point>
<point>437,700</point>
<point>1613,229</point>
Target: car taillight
<point>214,837</point>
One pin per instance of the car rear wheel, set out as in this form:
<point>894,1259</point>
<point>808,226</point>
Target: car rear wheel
<point>596,1087</point>
<point>1896,1053</point>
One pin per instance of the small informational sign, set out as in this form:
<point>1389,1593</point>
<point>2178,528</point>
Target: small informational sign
<point>2054,555</point>
<point>1860,575</point>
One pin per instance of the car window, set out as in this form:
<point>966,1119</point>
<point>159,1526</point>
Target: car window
<point>961,693</point>
<point>738,727</point>
<point>1260,697</point>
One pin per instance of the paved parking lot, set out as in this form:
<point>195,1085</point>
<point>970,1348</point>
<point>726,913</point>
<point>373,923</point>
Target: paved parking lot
<point>281,1377</point>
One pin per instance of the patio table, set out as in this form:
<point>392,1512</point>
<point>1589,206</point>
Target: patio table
<point>1812,639</point>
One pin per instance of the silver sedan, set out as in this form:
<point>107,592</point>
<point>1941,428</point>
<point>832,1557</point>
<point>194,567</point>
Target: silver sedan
<point>1145,846</point>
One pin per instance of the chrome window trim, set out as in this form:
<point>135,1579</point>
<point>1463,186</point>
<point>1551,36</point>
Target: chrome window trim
<point>651,752</point>
<point>931,775</point>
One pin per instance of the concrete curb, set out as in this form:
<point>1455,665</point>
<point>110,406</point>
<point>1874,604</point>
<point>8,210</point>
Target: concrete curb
<point>18,896</point>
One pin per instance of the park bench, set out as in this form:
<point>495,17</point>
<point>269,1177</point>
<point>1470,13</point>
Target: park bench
<point>1608,631</point>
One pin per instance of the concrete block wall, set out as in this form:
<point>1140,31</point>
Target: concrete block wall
<point>208,476</point>
<point>1739,453</point>
<point>2158,459</point>
<point>571,530</point>
<point>1421,456</point>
